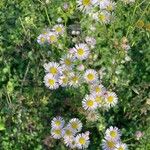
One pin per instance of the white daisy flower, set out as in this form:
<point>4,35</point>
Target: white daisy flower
<point>110,6</point>
<point>68,132</point>
<point>109,144</point>
<point>90,41</point>
<point>57,122</point>
<point>92,116</point>
<point>56,133</point>
<point>46,31</point>
<point>52,68</point>
<point>90,76</point>
<point>97,89</point>
<point>59,29</point>
<point>70,142</point>
<point>99,99</point>
<point>85,5</point>
<point>75,124</point>
<point>67,61</point>
<point>103,17</point>
<point>52,37</point>
<point>102,3</point>
<point>42,39</point>
<point>89,103</point>
<point>74,79</point>
<point>121,146</point>
<point>71,51</point>
<point>50,81</point>
<point>81,51</point>
<point>63,80</point>
<point>80,67</point>
<point>82,141</point>
<point>111,99</point>
<point>112,133</point>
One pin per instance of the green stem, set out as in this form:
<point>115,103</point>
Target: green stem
<point>47,15</point>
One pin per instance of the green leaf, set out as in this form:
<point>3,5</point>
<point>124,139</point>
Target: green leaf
<point>2,126</point>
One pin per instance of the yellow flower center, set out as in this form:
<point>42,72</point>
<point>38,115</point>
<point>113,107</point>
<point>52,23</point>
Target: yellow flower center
<point>98,99</point>
<point>59,29</point>
<point>111,144</point>
<point>58,123</point>
<point>140,24</point>
<point>86,2</point>
<point>68,132</point>
<point>42,39</point>
<point>113,134</point>
<point>53,38</point>
<point>74,125</point>
<point>51,82</point>
<point>90,103</point>
<point>102,17</point>
<point>58,132</point>
<point>75,79</point>
<point>82,141</point>
<point>64,80</point>
<point>53,70</point>
<point>97,89</point>
<point>110,99</point>
<point>68,62</point>
<point>109,7</point>
<point>90,76</point>
<point>120,148</point>
<point>80,51</point>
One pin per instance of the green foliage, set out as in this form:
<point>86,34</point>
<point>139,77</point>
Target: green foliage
<point>27,107</point>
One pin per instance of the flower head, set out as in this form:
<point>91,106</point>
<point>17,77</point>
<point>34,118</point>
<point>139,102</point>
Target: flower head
<point>102,4</point>
<point>57,122</point>
<point>90,76</point>
<point>82,140</point>
<point>63,80</point>
<point>97,88</point>
<point>56,133</point>
<point>104,17</point>
<point>111,99</point>
<point>59,29</point>
<point>113,133</point>
<point>52,37</point>
<point>67,61</point>
<point>70,142</point>
<point>89,103</point>
<point>99,99</point>
<point>75,124</point>
<point>90,41</point>
<point>85,5</point>
<point>74,79</point>
<point>109,144</point>
<point>92,116</point>
<point>50,81</point>
<point>42,39</point>
<point>68,132</point>
<point>81,51</point>
<point>52,68</point>
<point>121,146</point>
<point>110,6</point>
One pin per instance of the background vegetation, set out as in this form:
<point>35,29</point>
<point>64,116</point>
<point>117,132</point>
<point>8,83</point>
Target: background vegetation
<point>27,106</point>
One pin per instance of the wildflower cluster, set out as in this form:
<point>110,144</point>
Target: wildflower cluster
<point>99,97</point>
<point>70,133</point>
<point>112,140</point>
<point>50,36</point>
<point>99,10</point>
